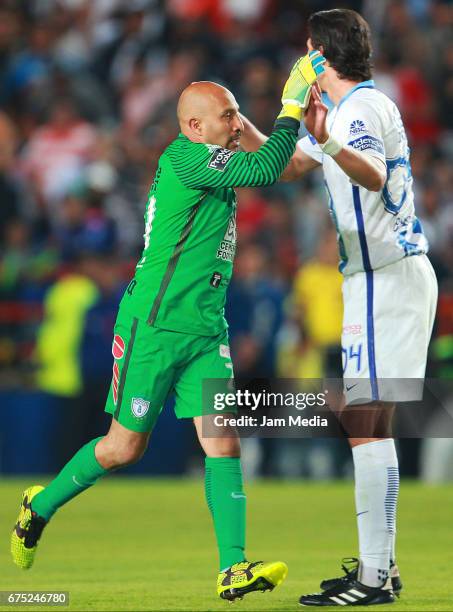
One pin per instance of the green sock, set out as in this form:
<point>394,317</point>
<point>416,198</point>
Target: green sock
<point>227,502</point>
<point>78,474</point>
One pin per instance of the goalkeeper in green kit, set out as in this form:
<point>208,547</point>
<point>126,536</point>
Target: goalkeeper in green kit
<point>170,332</point>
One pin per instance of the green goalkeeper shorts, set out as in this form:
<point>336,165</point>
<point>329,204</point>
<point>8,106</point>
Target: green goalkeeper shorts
<point>150,363</point>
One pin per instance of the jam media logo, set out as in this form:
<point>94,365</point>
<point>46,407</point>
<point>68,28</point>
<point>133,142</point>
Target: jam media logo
<point>357,126</point>
<point>219,159</point>
<point>139,407</point>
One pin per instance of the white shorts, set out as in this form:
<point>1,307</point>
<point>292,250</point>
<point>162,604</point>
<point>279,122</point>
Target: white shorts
<point>387,324</point>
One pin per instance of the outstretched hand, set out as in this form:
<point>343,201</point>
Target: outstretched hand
<point>316,114</point>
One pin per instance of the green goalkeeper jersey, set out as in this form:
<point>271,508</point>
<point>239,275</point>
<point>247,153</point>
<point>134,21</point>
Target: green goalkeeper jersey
<point>181,279</point>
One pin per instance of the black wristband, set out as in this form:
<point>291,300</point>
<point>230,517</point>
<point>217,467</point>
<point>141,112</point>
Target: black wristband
<point>287,123</point>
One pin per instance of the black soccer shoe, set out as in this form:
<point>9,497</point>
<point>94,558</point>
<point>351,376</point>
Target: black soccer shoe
<point>350,566</point>
<point>349,592</point>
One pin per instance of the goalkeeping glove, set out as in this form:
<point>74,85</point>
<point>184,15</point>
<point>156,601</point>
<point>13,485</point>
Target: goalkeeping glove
<point>296,93</point>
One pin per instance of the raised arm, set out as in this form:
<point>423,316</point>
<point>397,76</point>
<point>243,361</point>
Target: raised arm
<point>210,167</point>
<point>366,170</point>
<point>207,166</point>
<point>299,164</point>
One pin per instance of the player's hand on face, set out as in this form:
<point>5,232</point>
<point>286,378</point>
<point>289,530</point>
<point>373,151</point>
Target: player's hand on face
<point>316,115</point>
<point>296,92</point>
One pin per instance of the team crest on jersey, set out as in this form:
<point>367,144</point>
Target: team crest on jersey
<point>139,407</point>
<point>357,127</point>
<point>220,158</point>
<point>227,247</point>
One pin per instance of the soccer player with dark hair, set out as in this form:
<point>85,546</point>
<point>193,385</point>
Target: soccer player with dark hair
<point>170,332</point>
<point>389,288</point>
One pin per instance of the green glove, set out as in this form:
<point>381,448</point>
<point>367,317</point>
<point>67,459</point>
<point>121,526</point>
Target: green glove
<point>296,93</point>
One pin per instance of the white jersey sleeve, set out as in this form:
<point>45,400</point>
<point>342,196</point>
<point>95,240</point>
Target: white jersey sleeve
<point>310,147</point>
<point>360,127</point>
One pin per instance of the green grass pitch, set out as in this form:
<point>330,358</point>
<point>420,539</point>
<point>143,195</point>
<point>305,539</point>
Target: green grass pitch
<point>137,544</point>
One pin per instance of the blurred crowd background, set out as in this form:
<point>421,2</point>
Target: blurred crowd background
<point>88,92</point>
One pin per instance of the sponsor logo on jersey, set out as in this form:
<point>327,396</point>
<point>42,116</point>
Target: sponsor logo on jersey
<point>224,351</point>
<point>402,222</point>
<point>219,159</point>
<point>227,247</point>
<point>115,379</point>
<point>118,347</point>
<point>367,142</point>
<point>131,286</point>
<point>352,329</point>
<point>139,407</point>
<point>357,126</point>
<point>216,279</point>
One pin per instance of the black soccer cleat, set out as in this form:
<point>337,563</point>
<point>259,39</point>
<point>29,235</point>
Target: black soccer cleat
<point>350,566</point>
<point>349,592</point>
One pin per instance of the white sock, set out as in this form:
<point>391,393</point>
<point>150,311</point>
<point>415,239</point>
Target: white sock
<point>392,552</point>
<point>376,493</point>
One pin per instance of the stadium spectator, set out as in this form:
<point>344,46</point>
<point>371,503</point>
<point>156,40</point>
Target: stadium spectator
<point>255,313</point>
<point>29,71</point>
<point>9,190</point>
<point>318,305</point>
<point>73,347</point>
<point>57,152</point>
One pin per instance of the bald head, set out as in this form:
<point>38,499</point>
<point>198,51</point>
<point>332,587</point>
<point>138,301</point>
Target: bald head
<point>205,110</point>
<point>199,99</point>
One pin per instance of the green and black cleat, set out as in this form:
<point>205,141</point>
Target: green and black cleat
<point>27,530</point>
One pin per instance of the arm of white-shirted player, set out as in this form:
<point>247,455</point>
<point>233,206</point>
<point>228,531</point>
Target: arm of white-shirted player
<point>298,165</point>
<point>362,168</point>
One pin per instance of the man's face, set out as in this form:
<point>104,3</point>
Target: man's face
<point>222,124</point>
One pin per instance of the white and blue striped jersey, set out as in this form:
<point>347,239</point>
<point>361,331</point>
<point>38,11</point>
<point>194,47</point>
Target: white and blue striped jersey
<point>374,228</point>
